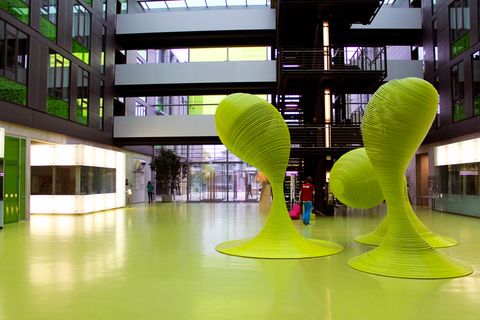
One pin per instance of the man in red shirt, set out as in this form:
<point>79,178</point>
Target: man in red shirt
<point>306,196</point>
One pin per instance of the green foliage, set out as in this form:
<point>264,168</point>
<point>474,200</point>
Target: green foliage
<point>460,45</point>
<point>81,52</point>
<point>167,168</point>
<point>476,105</point>
<point>48,29</point>
<point>13,92</point>
<point>458,111</point>
<point>16,8</point>
<point>58,107</point>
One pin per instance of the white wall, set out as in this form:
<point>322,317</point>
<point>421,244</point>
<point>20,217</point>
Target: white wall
<point>398,69</point>
<point>395,18</point>
<point>197,20</point>
<point>196,72</point>
<point>165,126</point>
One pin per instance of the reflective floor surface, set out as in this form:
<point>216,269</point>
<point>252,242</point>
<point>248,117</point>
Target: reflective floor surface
<point>159,262</point>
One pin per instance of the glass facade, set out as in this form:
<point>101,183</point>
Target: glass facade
<point>58,85</point>
<point>13,64</point>
<point>476,82</point>
<point>48,19</point>
<point>212,173</point>
<point>459,27</point>
<point>101,108</point>
<point>82,96</point>
<point>458,92</point>
<point>81,32</point>
<point>459,179</point>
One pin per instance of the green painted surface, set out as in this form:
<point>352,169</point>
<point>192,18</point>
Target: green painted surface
<point>159,262</point>
<point>460,45</point>
<point>14,180</point>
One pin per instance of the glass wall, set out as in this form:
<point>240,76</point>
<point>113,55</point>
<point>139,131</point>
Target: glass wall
<point>459,27</point>
<point>48,19</point>
<point>13,64</point>
<point>58,85</point>
<point>82,96</point>
<point>476,82</point>
<point>81,32</point>
<point>61,180</point>
<point>212,173</point>
<point>459,179</point>
<point>458,91</point>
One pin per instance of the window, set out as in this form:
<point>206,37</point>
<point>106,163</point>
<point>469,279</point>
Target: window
<point>64,180</point>
<point>436,84</point>
<point>20,9</point>
<point>476,82</point>
<point>101,108</point>
<point>104,49</point>
<point>81,32</point>
<point>104,9</point>
<point>140,110</point>
<point>48,19</point>
<point>82,96</point>
<point>459,27</point>
<point>435,45</point>
<point>434,6</point>
<point>458,92</point>
<point>58,85</point>
<point>13,64</point>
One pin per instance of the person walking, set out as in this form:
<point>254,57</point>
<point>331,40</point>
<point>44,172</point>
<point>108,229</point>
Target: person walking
<point>306,196</point>
<point>150,191</point>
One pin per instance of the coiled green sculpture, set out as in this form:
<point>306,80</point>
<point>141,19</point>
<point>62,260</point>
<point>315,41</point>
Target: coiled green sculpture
<point>254,131</point>
<point>353,181</point>
<point>396,120</point>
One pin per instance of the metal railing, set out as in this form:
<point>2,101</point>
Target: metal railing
<point>341,136</point>
<point>333,58</point>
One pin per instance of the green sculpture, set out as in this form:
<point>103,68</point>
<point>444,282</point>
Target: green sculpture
<point>353,182</point>
<point>396,120</point>
<point>254,130</point>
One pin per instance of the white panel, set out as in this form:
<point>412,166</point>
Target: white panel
<point>165,126</point>
<point>398,69</point>
<point>395,18</point>
<point>120,177</point>
<point>71,204</point>
<point>196,72</point>
<point>467,151</point>
<point>197,20</point>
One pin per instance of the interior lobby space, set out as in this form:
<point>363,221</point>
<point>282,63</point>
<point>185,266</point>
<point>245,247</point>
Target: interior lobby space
<point>159,262</point>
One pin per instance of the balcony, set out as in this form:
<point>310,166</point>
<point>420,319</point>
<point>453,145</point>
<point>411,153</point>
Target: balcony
<point>342,69</point>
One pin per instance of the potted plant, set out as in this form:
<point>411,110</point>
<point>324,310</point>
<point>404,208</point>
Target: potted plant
<point>167,167</point>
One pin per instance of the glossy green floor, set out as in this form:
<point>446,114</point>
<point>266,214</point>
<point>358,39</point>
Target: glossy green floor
<point>159,262</point>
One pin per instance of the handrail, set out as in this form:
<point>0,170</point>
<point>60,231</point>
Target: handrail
<point>337,58</point>
<point>314,136</point>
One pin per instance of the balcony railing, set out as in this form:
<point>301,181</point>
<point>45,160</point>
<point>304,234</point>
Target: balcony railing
<point>340,136</point>
<point>333,59</point>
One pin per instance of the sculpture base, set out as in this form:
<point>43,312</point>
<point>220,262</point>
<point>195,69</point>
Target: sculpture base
<point>297,248</point>
<point>437,241</point>
<point>421,264</point>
